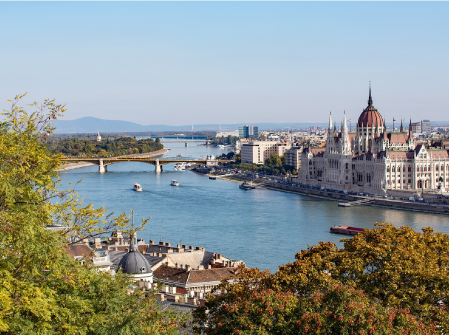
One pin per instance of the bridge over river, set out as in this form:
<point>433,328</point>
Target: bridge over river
<point>157,162</point>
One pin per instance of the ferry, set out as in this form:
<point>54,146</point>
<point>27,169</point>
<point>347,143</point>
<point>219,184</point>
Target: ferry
<point>137,187</point>
<point>346,230</point>
<point>246,186</point>
<point>174,183</point>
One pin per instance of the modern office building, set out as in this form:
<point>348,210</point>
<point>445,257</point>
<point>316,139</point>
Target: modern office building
<point>249,131</point>
<point>257,152</point>
<point>426,127</point>
<point>416,127</point>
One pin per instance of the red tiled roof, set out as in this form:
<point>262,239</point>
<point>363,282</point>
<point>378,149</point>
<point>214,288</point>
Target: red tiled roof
<point>207,275</point>
<point>397,138</point>
<point>439,153</point>
<point>75,250</point>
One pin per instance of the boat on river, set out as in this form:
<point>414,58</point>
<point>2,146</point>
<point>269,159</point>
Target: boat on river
<point>174,183</point>
<point>212,177</point>
<point>246,186</point>
<point>180,166</point>
<point>137,187</point>
<point>346,230</point>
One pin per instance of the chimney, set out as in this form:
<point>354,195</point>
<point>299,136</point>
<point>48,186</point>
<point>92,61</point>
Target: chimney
<point>97,242</point>
<point>178,246</point>
<point>191,247</point>
<point>184,246</point>
<point>161,243</point>
<point>201,267</point>
<point>176,265</point>
<point>198,248</point>
<point>151,242</point>
<point>187,267</point>
<point>167,244</point>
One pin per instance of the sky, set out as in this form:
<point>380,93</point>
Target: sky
<point>180,63</point>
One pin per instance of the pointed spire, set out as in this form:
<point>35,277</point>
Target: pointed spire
<point>330,120</point>
<point>401,129</point>
<point>370,100</point>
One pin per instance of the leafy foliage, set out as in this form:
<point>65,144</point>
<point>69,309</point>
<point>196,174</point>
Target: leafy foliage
<point>395,277</point>
<point>43,290</point>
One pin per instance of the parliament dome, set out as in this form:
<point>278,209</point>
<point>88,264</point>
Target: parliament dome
<point>370,117</point>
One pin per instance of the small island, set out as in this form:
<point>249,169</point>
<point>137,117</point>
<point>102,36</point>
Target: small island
<point>111,146</point>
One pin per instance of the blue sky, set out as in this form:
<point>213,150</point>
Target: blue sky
<point>228,62</point>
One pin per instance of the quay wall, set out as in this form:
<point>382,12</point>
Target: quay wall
<point>423,207</point>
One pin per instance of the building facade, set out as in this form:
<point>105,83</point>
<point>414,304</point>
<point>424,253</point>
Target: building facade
<point>426,126</point>
<point>372,160</point>
<point>257,152</point>
<point>249,131</point>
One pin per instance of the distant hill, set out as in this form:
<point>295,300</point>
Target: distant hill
<point>92,125</point>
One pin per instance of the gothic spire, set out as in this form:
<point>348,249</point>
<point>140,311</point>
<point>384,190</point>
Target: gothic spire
<point>401,129</point>
<point>370,100</point>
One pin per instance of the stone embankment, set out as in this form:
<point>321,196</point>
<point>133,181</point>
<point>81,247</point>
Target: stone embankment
<point>71,166</point>
<point>423,207</point>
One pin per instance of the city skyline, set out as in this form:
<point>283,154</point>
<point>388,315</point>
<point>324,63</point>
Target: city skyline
<point>197,63</point>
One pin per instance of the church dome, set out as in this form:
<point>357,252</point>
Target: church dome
<point>370,116</point>
<point>134,262</point>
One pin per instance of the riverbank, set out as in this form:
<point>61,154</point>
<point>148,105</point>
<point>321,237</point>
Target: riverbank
<point>71,166</point>
<point>422,207</point>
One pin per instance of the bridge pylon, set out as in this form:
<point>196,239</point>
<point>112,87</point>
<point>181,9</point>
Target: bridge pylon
<point>101,167</point>
<point>158,167</point>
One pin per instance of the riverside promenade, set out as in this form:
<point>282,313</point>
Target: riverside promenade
<point>374,201</point>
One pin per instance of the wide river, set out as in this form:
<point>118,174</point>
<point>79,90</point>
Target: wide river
<point>264,228</point>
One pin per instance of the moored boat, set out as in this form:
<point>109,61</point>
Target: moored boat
<point>246,186</point>
<point>137,187</point>
<point>346,230</point>
<point>212,177</point>
<point>174,183</point>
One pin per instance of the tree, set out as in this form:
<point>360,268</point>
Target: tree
<point>43,290</point>
<point>397,269</point>
<point>274,161</point>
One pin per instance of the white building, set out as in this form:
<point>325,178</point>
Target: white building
<point>257,152</point>
<point>221,134</point>
<point>372,160</point>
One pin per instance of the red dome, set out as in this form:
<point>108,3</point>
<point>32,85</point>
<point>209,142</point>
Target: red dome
<point>370,116</point>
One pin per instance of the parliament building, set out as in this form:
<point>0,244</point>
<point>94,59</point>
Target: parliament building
<point>374,161</point>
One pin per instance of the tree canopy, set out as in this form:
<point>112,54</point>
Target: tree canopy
<point>385,281</point>
<point>42,289</point>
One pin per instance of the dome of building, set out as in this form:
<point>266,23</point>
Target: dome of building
<point>134,262</point>
<point>370,117</point>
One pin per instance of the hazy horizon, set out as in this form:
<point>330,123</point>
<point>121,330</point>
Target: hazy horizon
<point>179,63</point>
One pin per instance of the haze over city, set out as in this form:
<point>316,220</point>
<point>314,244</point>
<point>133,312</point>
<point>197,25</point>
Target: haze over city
<point>195,63</point>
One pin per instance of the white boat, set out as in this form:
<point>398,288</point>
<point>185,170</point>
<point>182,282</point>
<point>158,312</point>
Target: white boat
<point>137,187</point>
<point>180,166</point>
<point>174,183</point>
<point>221,146</point>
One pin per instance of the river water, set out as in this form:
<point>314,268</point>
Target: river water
<point>264,228</point>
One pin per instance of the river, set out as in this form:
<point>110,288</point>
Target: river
<point>264,228</point>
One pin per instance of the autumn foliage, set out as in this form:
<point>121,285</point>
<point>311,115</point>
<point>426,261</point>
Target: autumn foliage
<point>386,281</point>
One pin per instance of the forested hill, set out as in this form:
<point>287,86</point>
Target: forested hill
<point>89,147</point>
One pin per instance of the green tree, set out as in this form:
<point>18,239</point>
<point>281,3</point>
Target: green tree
<point>397,269</point>
<point>43,290</point>
<point>274,161</point>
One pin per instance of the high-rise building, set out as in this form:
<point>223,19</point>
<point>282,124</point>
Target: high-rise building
<point>416,127</point>
<point>426,126</point>
<point>249,131</point>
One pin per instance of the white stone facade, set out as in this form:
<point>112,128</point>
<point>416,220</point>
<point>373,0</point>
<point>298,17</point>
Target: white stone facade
<point>372,160</point>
